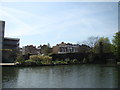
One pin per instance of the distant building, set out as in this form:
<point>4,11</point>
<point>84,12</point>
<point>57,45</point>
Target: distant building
<point>8,46</point>
<point>65,48</point>
<point>33,50</point>
<point>30,49</point>
<point>69,48</point>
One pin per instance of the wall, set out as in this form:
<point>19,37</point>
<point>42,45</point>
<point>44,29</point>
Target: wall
<point>2,26</point>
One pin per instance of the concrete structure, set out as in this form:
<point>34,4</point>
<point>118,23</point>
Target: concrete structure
<point>10,49</point>
<point>8,46</point>
<point>2,23</point>
<point>2,27</point>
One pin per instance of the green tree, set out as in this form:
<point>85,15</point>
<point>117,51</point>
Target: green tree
<point>103,45</point>
<point>116,44</point>
<point>19,58</point>
<point>46,49</point>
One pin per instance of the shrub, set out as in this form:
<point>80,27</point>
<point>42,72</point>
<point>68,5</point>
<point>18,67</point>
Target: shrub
<point>85,60</point>
<point>67,60</point>
<point>30,62</point>
<point>75,60</point>
<point>91,58</point>
<point>35,57</point>
<point>39,59</point>
<point>19,58</point>
<point>46,60</point>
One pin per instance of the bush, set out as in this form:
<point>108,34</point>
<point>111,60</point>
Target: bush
<point>67,60</point>
<point>85,60</point>
<point>46,60</point>
<point>91,58</point>
<point>75,60</point>
<point>41,59</point>
<point>19,58</point>
<point>35,58</point>
<point>30,62</point>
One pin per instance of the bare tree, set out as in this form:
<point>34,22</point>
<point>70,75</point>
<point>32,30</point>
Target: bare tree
<point>91,41</point>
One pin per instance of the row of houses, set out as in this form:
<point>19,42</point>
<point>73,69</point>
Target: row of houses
<point>61,48</point>
<point>30,49</point>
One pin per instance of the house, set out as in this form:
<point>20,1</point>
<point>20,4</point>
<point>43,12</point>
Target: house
<point>63,48</point>
<point>30,49</point>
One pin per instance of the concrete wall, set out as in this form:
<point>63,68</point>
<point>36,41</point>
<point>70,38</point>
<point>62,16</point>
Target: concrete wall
<point>2,26</point>
<point>11,47</point>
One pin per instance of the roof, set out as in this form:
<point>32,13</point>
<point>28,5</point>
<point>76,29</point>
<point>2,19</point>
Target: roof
<point>8,38</point>
<point>2,21</point>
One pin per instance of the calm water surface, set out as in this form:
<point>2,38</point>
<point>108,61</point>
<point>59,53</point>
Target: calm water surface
<point>64,76</point>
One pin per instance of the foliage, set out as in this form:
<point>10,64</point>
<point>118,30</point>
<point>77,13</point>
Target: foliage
<point>19,58</point>
<point>46,49</point>
<point>67,60</point>
<point>41,59</point>
<point>46,60</point>
<point>85,60</point>
<point>36,58</point>
<point>116,44</point>
<point>103,44</point>
<point>60,62</point>
<point>30,62</point>
<point>91,57</point>
<point>75,60</point>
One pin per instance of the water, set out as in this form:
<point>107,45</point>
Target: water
<point>64,76</point>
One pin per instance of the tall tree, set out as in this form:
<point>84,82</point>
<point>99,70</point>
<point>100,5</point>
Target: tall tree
<point>91,41</point>
<point>103,45</point>
<point>46,49</point>
<point>116,44</point>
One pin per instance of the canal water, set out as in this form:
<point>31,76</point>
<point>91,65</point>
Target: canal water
<point>63,76</point>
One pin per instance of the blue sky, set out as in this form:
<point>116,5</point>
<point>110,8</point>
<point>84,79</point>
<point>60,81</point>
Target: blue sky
<point>53,22</point>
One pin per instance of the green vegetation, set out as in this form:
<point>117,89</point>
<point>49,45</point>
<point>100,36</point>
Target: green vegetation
<point>46,49</point>
<point>100,50</point>
<point>19,59</point>
<point>102,45</point>
<point>43,60</point>
<point>116,44</point>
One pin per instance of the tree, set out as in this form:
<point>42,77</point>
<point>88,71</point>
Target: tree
<point>103,45</point>
<point>91,41</point>
<point>116,44</point>
<point>46,49</point>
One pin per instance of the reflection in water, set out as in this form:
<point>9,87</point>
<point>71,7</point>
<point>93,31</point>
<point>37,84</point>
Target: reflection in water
<point>64,76</point>
<point>9,76</point>
<point>119,77</point>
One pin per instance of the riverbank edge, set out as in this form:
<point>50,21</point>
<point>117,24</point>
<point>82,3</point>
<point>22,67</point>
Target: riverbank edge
<point>20,65</point>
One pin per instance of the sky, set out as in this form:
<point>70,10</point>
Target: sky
<point>38,23</point>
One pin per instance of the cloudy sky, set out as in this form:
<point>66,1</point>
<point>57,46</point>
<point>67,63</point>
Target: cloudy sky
<point>53,22</point>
